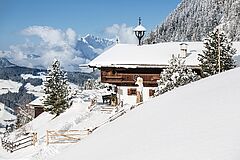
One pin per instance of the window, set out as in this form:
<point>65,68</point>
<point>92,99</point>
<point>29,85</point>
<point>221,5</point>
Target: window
<point>132,91</point>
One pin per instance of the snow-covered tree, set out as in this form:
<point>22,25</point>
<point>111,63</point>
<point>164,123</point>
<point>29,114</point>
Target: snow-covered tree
<point>175,75</point>
<point>192,20</point>
<point>57,98</point>
<point>218,54</point>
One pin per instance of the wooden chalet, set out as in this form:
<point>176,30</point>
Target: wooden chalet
<point>123,63</point>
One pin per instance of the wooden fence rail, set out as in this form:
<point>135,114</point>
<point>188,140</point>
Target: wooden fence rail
<point>13,146</point>
<point>66,136</point>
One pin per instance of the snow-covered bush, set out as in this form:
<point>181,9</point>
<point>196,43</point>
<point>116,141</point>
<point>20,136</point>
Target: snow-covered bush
<point>175,75</point>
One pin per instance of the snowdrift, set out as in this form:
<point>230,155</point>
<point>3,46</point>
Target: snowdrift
<point>200,121</point>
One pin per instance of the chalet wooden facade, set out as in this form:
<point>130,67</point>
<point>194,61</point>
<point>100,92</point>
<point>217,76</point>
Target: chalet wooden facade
<point>123,63</point>
<point>128,76</point>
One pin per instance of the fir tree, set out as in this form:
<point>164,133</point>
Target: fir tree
<point>57,90</point>
<point>218,54</point>
<point>175,75</point>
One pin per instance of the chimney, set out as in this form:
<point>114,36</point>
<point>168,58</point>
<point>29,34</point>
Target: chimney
<point>183,48</point>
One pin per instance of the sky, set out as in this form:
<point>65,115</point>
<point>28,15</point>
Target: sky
<point>82,16</point>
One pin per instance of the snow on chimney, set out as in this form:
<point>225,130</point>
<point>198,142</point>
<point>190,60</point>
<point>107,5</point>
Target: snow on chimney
<point>183,48</point>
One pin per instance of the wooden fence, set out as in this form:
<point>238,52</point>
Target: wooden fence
<point>66,136</point>
<point>12,146</point>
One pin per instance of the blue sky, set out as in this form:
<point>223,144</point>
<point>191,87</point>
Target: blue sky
<point>83,16</point>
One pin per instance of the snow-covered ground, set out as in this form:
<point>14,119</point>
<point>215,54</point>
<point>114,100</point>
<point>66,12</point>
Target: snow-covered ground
<point>38,91</point>
<point>8,85</point>
<point>199,121</point>
<point>4,114</point>
<point>78,117</point>
<point>41,75</point>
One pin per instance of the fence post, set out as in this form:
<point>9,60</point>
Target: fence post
<point>47,138</point>
<point>34,138</point>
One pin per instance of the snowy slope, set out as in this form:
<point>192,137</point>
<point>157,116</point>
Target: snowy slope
<point>8,85</point>
<point>5,115</point>
<point>199,121</point>
<point>78,117</point>
<point>192,20</point>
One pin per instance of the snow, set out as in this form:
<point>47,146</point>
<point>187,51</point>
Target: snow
<point>197,121</point>
<point>146,55</point>
<point>40,76</point>
<point>236,45</point>
<point>5,115</point>
<point>77,117</point>
<point>139,28</point>
<point>154,55</point>
<point>8,85</point>
<point>38,91</point>
<point>35,90</point>
<point>37,102</point>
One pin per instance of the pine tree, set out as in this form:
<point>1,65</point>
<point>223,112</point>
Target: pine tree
<point>175,75</point>
<point>57,90</point>
<point>218,54</point>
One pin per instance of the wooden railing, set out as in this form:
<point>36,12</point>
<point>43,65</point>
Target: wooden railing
<point>66,136</point>
<point>13,146</point>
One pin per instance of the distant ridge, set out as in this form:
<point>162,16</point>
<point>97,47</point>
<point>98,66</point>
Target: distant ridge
<point>4,63</point>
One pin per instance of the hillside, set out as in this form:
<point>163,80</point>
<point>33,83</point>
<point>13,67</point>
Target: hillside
<point>15,81</point>
<point>197,121</point>
<point>193,19</point>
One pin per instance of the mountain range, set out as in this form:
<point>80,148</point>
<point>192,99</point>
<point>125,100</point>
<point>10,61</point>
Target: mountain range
<point>91,46</point>
<point>40,56</point>
<point>192,20</point>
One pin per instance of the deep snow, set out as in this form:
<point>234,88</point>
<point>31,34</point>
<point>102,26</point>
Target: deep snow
<point>199,121</point>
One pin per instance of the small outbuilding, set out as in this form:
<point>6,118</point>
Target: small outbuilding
<point>37,105</point>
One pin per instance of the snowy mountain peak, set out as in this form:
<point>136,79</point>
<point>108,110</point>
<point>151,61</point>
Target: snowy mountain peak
<point>91,46</point>
<point>71,55</point>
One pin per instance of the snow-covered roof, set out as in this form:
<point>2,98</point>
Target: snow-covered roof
<point>139,28</point>
<point>5,115</point>
<point>37,102</point>
<point>157,55</point>
<point>154,55</point>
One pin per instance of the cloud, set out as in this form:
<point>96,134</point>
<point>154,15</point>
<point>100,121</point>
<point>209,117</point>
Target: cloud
<point>124,33</point>
<point>52,44</point>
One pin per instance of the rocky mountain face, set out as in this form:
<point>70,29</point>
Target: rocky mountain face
<point>91,46</point>
<point>192,20</point>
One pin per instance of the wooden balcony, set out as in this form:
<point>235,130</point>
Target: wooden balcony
<point>130,79</point>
